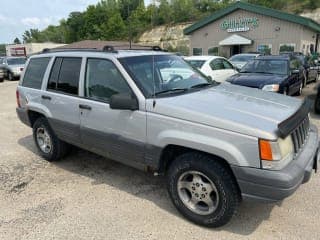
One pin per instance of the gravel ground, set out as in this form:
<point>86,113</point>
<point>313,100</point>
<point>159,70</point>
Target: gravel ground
<point>85,196</point>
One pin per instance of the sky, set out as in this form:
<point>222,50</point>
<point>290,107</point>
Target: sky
<point>16,16</point>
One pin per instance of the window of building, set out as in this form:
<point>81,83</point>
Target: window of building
<point>197,51</point>
<point>35,72</point>
<point>287,47</point>
<point>264,48</point>
<point>213,51</point>
<point>103,80</point>
<point>65,74</point>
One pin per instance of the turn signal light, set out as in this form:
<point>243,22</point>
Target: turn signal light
<point>265,150</point>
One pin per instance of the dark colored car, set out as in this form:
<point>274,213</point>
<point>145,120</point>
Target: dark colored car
<point>310,70</point>
<point>317,101</point>
<point>282,74</point>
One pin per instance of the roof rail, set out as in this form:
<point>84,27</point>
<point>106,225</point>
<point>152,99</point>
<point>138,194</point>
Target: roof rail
<point>48,50</point>
<point>106,48</point>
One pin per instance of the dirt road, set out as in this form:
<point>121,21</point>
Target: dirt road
<point>85,196</point>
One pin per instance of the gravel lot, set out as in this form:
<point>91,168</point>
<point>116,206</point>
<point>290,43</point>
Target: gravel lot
<point>85,196</point>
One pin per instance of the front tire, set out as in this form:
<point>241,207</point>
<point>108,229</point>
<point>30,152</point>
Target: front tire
<point>202,189</point>
<point>49,146</point>
<point>10,76</point>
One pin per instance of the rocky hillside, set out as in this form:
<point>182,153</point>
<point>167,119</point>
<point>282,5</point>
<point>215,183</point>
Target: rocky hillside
<point>171,37</point>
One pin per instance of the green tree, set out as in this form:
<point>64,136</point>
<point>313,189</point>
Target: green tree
<point>16,41</point>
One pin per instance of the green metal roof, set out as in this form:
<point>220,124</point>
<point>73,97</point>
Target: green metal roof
<point>307,22</point>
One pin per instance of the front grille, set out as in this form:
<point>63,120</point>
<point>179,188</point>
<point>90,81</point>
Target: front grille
<point>300,134</point>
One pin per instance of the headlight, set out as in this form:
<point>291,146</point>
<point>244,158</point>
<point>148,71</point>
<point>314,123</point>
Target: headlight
<point>276,155</point>
<point>271,88</point>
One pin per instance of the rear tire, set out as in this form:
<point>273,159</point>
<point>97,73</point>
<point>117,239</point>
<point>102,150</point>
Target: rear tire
<point>202,189</point>
<point>49,146</point>
<point>300,90</point>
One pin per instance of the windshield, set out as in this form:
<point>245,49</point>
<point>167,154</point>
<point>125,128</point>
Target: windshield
<point>16,61</point>
<point>242,58</point>
<point>266,66</point>
<point>163,74</point>
<point>196,63</point>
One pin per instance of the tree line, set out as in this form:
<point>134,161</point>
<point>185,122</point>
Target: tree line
<point>127,19</point>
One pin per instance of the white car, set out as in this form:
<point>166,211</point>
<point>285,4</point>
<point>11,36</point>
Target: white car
<point>218,68</point>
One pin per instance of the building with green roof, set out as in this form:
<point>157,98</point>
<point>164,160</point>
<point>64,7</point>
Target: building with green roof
<point>244,27</point>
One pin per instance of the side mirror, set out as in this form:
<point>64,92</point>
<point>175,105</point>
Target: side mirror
<point>124,101</point>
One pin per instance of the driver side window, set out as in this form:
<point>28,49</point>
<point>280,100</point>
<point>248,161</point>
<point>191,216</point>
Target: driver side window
<point>103,80</point>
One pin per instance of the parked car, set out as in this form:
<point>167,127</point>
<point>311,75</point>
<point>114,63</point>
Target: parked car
<point>310,69</point>
<point>281,74</point>
<point>218,68</point>
<point>13,66</point>
<point>216,143</point>
<point>239,60</point>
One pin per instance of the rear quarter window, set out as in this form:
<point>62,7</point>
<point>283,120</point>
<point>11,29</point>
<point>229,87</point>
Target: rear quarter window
<point>35,72</point>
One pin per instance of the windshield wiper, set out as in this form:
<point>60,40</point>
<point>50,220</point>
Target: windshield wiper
<point>201,85</point>
<point>170,91</point>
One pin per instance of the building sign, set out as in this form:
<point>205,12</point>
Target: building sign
<point>18,51</point>
<point>239,24</point>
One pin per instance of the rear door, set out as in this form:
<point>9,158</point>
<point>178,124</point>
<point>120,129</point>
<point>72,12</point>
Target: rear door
<point>62,98</point>
<point>118,134</point>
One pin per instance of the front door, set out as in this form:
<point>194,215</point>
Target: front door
<point>118,134</point>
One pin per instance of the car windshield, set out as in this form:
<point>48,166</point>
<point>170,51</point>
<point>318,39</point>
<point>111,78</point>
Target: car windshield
<point>242,58</point>
<point>196,63</point>
<point>16,61</point>
<point>266,66</point>
<point>163,74</point>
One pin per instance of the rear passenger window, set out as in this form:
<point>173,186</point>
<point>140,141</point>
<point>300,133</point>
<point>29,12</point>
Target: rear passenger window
<point>65,74</point>
<point>35,72</point>
<point>103,80</point>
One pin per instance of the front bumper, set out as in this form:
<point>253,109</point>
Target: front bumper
<point>270,185</point>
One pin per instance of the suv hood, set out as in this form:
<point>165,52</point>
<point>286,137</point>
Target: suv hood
<point>240,109</point>
<point>256,80</point>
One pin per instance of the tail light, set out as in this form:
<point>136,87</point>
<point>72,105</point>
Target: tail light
<point>18,98</point>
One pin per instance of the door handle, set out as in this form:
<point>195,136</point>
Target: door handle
<point>46,97</point>
<point>82,106</point>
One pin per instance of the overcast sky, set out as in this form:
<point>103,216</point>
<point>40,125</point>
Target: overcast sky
<point>16,16</point>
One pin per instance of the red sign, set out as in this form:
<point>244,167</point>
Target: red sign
<point>18,51</point>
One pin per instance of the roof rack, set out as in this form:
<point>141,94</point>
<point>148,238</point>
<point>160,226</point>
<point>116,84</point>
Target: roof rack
<point>106,48</point>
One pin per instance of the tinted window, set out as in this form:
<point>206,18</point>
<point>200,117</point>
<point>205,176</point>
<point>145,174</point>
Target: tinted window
<point>54,75</point>
<point>266,66</point>
<point>196,63</point>
<point>35,72</point>
<point>69,75</point>
<point>227,65</point>
<point>16,61</point>
<point>217,64</point>
<point>103,80</point>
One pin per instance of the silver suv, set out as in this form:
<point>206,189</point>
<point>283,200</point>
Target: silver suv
<point>12,66</point>
<point>216,143</point>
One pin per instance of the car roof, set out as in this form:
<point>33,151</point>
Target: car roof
<point>92,53</point>
<point>274,57</point>
<point>246,54</point>
<point>202,57</point>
